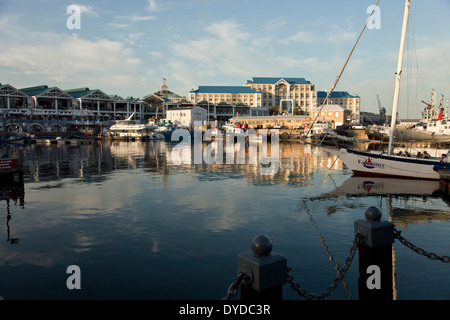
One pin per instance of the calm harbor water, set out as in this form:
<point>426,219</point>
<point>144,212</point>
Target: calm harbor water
<point>141,227</point>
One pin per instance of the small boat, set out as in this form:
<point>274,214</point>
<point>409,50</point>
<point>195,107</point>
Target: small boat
<point>317,130</point>
<point>13,140</point>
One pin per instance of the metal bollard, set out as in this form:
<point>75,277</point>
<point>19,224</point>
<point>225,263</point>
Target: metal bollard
<point>265,271</point>
<point>375,256</point>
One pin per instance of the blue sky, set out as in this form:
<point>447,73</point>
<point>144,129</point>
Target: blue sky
<point>127,47</point>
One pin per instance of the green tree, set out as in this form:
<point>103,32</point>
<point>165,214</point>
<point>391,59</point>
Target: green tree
<point>274,110</point>
<point>298,111</point>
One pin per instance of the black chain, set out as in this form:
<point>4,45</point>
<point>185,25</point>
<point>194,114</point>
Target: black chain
<point>312,296</point>
<point>430,255</point>
<point>233,289</point>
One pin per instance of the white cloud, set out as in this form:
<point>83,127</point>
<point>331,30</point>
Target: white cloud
<point>142,18</point>
<point>158,6</point>
<point>152,6</point>
<point>67,59</point>
<point>275,23</point>
<point>224,50</point>
<point>136,17</point>
<point>300,36</point>
<point>59,53</point>
<point>342,36</point>
<point>229,51</point>
<point>120,25</point>
<point>87,10</point>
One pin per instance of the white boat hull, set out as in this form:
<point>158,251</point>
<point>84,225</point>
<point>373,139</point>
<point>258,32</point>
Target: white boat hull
<point>419,135</point>
<point>374,164</point>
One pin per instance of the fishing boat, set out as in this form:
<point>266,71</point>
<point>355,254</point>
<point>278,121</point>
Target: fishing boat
<point>363,163</point>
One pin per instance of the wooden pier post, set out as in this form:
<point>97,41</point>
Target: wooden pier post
<point>265,271</point>
<point>375,257</point>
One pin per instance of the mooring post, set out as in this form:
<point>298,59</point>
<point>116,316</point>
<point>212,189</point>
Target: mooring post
<point>375,256</point>
<point>265,271</point>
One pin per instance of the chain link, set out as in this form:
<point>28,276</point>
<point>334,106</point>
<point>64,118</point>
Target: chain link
<point>312,296</point>
<point>429,255</point>
<point>233,289</point>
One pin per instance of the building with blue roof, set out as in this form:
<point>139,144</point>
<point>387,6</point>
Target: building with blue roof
<point>232,95</point>
<point>343,99</point>
<point>285,92</point>
<point>274,80</point>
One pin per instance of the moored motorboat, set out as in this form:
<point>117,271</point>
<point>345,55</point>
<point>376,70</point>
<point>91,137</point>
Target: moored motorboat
<point>129,128</point>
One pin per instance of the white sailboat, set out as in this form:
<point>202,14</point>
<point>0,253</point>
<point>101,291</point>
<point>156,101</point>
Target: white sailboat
<point>388,165</point>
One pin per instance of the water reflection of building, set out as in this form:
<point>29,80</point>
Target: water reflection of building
<point>297,165</point>
<point>92,163</point>
<point>297,162</point>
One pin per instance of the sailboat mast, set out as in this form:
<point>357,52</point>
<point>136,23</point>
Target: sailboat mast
<point>398,76</point>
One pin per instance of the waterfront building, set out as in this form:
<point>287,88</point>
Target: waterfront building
<point>268,122</point>
<point>12,99</point>
<point>44,99</point>
<point>51,109</point>
<point>122,108</point>
<point>343,99</point>
<point>231,95</point>
<point>159,102</point>
<point>226,102</point>
<point>95,104</point>
<point>162,96</point>
<point>186,116</point>
<point>333,113</point>
<point>285,93</point>
<point>223,111</point>
<point>91,103</point>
